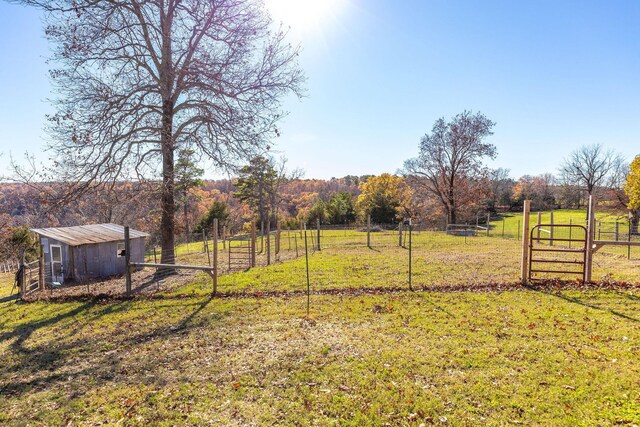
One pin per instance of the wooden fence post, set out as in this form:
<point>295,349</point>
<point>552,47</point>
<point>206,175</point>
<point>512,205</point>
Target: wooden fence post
<point>23,276</point>
<point>127,261</point>
<point>538,229</point>
<point>261,236</point>
<point>551,228</point>
<point>369,231</point>
<point>41,268</point>
<point>400,234</point>
<point>224,237</point>
<point>215,256</point>
<point>488,222</point>
<point>629,239</point>
<point>253,244</point>
<point>524,266</point>
<point>617,231</point>
<point>268,242</point>
<point>318,226</point>
<point>278,231</point>
<point>570,231</point>
<point>591,223</point>
<point>208,253</point>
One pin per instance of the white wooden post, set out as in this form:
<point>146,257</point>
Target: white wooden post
<point>551,229</point>
<point>591,223</point>
<point>524,266</point>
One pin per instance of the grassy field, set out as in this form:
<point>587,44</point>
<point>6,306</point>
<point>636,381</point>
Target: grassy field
<point>375,358</point>
<point>511,223</point>
<point>458,358</point>
<point>438,260</point>
<point>371,352</point>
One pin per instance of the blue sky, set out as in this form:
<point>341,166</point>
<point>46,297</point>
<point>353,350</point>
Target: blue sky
<point>553,75</point>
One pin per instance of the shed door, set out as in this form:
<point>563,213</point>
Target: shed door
<point>57,275</point>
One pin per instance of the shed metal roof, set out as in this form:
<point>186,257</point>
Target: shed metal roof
<point>88,234</point>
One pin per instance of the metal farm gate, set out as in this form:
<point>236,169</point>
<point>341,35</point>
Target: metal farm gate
<point>239,251</point>
<point>569,257</point>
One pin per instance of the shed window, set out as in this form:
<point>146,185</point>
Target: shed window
<point>120,252</point>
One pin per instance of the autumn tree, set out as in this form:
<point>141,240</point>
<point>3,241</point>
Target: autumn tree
<point>386,198</point>
<point>138,81</point>
<point>449,164</point>
<point>632,190</point>
<point>538,189</point>
<point>501,186</point>
<point>589,166</point>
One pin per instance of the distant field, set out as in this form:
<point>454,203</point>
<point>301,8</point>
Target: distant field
<point>512,222</point>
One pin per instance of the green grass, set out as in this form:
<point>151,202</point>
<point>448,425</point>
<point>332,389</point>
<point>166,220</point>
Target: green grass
<point>523,357</point>
<point>512,222</point>
<point>380,357</point>
<point>438,260</point>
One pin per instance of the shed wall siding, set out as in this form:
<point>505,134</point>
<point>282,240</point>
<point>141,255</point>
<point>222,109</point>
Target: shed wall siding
<point>93,261</point>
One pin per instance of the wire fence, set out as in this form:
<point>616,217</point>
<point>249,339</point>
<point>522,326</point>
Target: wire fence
<point>384,256</point>
<point>393,256</point>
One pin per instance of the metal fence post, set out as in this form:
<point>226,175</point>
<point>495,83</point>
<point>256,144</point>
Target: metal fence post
<point>318,226</point>
<point>306,255</point>
<point>369,231</point>
<point>410,260</point>
<point>215,256</point>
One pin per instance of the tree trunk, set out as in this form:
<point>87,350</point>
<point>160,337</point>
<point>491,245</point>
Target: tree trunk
<point>452,216</point>
<point>635,218</point>
<point>167,224</point>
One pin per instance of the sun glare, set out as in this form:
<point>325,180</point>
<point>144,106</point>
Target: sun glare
<point>305,15</point>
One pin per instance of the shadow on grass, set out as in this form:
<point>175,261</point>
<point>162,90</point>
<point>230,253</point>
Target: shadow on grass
<point>43,364</point>
<point>9,298</point>
<point>576,300</point>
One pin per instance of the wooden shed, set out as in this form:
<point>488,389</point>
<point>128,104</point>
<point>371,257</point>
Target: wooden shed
<point>87,251</point>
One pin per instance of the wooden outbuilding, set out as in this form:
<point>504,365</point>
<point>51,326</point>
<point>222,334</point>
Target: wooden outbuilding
<point>87,251</point>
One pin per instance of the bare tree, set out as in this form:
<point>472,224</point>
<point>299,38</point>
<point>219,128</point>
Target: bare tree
<point>449,165</point>
<point>138,80</point>
<point>590,166</point>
